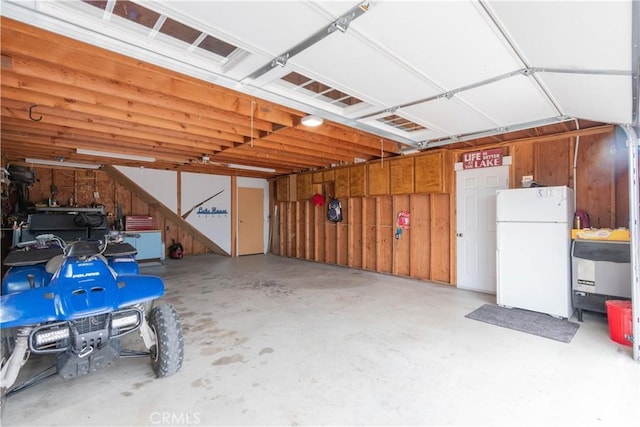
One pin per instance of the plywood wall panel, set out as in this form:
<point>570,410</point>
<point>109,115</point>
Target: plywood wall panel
<point>342,183</point>
<point>440,238</point>
<point>420,244</point>
<point>317,177</point>
<point>293,188</point>
<point>158,219</point>
<point>378,178</point>
<point>430,170</point>
<point>308,242</point>
<point>402,244</point>
<point>284,228</point>
<point>523,163</point>
<point>320,241</point>
<point>595,180</point>
<point>299,230</point>
<point>385,234</point>
<point>342,244</point>
<point>123,198</point>
<point>139,206</point>
<point>187,241</point>
<point>369,234</point>
<point>311,233</point>
<point>401,173</point>
<point>330,248</point>
<point>552,162</point>
<point>342,235</point>
<point>304,187</point>
<point>355,244</point>
<point>358,180</point>
<point>65,182</point>
<point>40,191</point>
<point>282,189</point>
<point>278,240</point>
<point>199,248</point>
<point>622,183</point>
<point>106,187</point>
<point>329,175</point>
<point>291,224</point>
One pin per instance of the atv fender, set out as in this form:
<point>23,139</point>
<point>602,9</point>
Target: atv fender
<point>58,302</point>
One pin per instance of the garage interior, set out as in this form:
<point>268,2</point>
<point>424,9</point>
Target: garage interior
<point>193,115</point>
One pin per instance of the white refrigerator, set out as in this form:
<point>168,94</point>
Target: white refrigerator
<point>533,249</point>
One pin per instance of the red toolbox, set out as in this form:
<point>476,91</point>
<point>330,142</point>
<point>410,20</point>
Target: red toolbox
<point>138,223</point>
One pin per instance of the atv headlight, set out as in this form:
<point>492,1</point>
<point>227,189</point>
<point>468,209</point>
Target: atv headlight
<point>52,335</point>
<point>125,321</point>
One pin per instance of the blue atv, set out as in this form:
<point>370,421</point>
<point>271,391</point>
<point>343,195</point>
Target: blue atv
<point>76,300</point>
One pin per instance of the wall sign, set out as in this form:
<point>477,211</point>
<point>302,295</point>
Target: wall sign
<point>482,159</point>
<point>212,211</point>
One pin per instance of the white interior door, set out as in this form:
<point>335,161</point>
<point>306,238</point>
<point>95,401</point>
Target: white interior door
<point>476,226</point>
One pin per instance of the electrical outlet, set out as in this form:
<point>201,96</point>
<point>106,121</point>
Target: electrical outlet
<point>96,195</point>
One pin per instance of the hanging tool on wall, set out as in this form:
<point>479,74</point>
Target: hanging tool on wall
<point>200,204</point>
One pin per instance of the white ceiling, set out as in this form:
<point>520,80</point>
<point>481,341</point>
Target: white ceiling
<point>457,68</point>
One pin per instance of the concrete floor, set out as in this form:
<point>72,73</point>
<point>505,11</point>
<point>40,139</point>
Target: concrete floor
<point>277,341</point>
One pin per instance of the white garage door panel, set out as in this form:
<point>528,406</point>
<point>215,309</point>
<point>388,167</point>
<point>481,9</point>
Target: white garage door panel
<point>262,25</point>
<point>363,71</point>
<point>451,116</point>
<point>510,101</point>
<point>428,36</point>
<point>569,34</point>
<point>584,96</point>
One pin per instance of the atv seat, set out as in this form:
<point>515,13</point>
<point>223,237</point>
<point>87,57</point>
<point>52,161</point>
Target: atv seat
<point>23,257</point>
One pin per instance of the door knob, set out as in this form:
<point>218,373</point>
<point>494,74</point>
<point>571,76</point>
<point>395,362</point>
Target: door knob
<point>459,234</point>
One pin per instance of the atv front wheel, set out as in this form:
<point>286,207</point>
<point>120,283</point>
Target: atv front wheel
<point>168,352</point>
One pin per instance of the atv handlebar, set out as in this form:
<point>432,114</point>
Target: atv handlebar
<point>41,240</point>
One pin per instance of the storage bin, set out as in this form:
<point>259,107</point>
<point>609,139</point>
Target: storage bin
<point>620,321</point>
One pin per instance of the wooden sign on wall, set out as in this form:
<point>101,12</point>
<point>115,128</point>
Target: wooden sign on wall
<point>482,159</point>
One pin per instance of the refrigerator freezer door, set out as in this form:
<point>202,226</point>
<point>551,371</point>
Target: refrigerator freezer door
<point>533,263</point>
<point>537,204</point>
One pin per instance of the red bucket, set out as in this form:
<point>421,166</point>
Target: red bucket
<point>620,322</point>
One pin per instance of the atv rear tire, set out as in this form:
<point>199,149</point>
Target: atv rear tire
<point>168,352</point>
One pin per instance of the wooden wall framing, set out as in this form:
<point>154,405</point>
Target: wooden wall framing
<point>366,237</point>
<point>373,193</point>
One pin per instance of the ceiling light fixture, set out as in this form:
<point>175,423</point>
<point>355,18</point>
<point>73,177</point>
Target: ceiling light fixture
<point>61,163</point>
<point>312,121</point>
<point>115,155</point>
<point>250,168</point>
